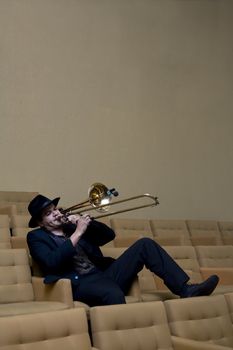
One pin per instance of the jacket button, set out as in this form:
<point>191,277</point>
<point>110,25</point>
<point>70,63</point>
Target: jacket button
<point>76,277</point>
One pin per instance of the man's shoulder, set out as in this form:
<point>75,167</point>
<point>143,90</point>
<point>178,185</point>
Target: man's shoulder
<point>36,232</point>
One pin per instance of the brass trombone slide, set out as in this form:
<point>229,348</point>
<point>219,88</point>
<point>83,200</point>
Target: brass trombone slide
<point>99,199</point>
<point>147,195</point>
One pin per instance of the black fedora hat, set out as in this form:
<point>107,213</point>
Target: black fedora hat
<point>36,206</point>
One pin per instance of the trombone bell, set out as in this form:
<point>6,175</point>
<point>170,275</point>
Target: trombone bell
<point>99,197</point>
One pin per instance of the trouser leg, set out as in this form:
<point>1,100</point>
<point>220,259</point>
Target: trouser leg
<point>147,252</point>
<point>98,289</point>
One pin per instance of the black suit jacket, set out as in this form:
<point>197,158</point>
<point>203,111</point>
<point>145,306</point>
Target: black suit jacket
<point>57,261</point>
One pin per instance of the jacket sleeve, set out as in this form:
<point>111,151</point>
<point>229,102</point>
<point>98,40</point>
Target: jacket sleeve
<point>98,233</point>
<point>51,258</point>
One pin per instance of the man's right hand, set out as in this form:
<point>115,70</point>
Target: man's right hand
<point>82,223</point>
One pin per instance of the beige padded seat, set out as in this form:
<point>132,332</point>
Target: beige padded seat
<point>226,229</point>
<point>18,199</point>
<point>204,319</point>
<point>170,232</point>
<point>8,209</point>
<point>67,329</point>
<point>5,233</point>
<point>20,229</point>
<point>36,271</point>
<point>229,300</point>
<point>19,242</point>
<point>21,207</point>
<point>5,238</point>
<point>20,232</point>
<point>147,286</point>
<point>20,293</point>
<point>130,230</point>
<point>141,326</point>
<point>212,256</point>
<point>4,221</point>
<point>204,232</point>
<point>217,260</point>
<point>20,221</point>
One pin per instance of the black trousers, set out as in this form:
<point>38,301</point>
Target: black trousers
<point>110,286</point>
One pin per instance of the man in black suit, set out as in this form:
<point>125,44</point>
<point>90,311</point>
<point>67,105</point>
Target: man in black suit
<point>72,250</point>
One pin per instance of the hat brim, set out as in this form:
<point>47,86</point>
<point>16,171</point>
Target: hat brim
<point>33,221</point>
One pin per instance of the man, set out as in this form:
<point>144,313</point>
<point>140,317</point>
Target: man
<point>72,251</point>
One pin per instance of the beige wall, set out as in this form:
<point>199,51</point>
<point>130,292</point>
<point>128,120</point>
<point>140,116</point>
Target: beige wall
<point>136,94</point>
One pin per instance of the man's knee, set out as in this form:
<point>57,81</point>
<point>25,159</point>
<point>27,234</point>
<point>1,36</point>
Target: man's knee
<point>145,241</point>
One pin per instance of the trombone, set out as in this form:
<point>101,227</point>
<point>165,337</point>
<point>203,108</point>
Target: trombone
<point>99,199</point>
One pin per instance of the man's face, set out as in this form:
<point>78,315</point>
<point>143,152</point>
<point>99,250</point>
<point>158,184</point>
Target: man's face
<point>51,218</point>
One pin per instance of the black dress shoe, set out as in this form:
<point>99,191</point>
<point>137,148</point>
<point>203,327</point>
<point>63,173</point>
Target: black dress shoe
<point>199,289</point>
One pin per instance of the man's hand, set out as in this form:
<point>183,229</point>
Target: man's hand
<point>82,223</point>
<point>73,218</point>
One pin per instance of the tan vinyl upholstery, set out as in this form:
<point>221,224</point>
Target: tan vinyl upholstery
<point>20,293</point>
<point>204,232</point>
<point>5,238</point>
<point>170,232</point>
<point>67,329</point>
<point>226,229</point>
<point>204,319</point>
<point>212,256</point>
<point>20,232</point>
<point>5,231</point>
<point>21,207</point>
<point>148,287</point>
<point>141,326</point>
<point>229,300</point>
<point>8,209</point>
<point>17,199</point>
<point>19,224</point>
<point>217,260</point>
<point>19,242</point>
<point>130,230</point>
<point>4,221</point>
<point>20,229</point>
<point>36,271</point>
